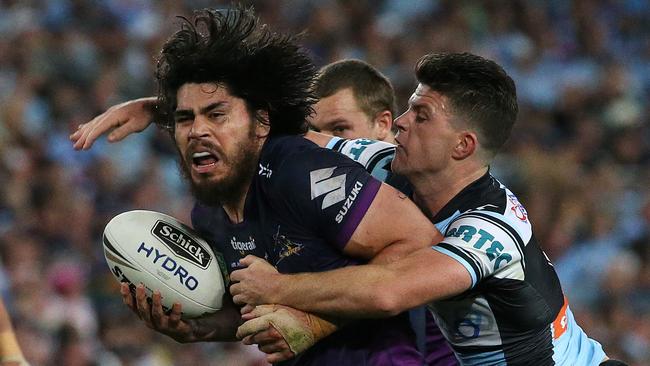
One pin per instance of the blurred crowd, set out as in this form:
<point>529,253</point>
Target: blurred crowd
<point>578,159</point>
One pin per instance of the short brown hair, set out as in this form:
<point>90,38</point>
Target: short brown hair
<point>372,90</point>
<point>478,90</point>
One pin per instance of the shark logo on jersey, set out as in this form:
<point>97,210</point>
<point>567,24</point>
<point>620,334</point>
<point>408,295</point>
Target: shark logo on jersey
<point>322,183</point>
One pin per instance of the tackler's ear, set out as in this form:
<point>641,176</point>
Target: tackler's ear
<point>383,123</point>
<point>262,125</point>
<point>466,145</point>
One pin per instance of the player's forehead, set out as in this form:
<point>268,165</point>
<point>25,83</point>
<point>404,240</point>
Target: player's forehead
<point>336,108</point>
<point>193,95</point>
<point>427,98</point>
<point>342,101</point>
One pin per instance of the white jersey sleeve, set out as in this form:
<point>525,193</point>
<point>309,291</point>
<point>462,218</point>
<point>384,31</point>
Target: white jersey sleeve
<point>485,244</point>
<point>374,155</point>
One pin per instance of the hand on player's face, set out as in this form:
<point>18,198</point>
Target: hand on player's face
<point>123,119</point>
<point>154,316</point>
<point>254,284</point>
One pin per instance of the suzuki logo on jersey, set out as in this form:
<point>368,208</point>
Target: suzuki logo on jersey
<point>349,201</point>
<point>265,171</point>
<point>181,244</point>
<point>493,250</point>
<point>333,188</point>
<point>243,245</point>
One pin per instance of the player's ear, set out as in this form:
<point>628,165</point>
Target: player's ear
<point>383,123</point>
<point>262,125</point>
<point>466,145</point>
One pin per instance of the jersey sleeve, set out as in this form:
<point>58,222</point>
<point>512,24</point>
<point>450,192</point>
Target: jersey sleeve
<point>375,156</point>
<point>485,245</point>
<point>326,191</point>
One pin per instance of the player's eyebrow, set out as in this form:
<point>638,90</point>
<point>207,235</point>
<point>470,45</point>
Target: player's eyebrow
<point>212,106</point>
<point>183,113</point>
<point>202,110</point>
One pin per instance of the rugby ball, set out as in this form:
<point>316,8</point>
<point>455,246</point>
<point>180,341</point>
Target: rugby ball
<point>164,254</point>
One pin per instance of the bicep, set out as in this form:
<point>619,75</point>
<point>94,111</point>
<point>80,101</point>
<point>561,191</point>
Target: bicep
<point>392,224</point>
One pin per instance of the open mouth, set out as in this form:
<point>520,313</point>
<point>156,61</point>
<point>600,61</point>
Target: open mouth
<point>203,161</point>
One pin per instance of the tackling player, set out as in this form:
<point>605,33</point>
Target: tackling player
<point>493,291</point>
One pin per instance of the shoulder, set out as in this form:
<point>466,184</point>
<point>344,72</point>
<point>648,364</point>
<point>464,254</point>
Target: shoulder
<point>364,151</point>
<point>287,159</point>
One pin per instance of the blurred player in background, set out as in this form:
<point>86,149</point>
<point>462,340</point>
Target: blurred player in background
<point>237,115</point>
<point>493,291</point>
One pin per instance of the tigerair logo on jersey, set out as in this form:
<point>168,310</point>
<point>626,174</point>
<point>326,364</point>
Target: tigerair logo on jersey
<point>322,183</point>
<point>243,245</point>
<point>483,241</point>
<point>181,244</point>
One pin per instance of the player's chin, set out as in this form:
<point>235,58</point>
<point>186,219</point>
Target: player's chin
<point>398,165</point>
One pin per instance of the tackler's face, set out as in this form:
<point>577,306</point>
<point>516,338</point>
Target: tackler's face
<point>426,137</point>
<point>340,115</point>
<point>216,136</point>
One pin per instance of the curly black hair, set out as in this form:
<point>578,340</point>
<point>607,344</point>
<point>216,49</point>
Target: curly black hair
<point>270,71</point>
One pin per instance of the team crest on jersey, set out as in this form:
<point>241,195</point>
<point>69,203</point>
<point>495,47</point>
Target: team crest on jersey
<point>285,247</point>
<point>517,208</point>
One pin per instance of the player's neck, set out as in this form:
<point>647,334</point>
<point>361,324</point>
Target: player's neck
<point>235,208</point>
<point>433,192</point>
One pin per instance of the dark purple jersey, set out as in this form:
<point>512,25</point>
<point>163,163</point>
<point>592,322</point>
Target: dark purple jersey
<point>303,205</point>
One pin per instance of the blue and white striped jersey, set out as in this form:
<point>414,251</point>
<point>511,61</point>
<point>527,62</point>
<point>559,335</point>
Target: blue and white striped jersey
<point>515,312</point>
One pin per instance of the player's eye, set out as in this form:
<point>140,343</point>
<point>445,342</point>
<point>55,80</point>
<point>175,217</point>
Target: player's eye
<point>339,129</point>
<point>420,118</point>
<point>215,115</point>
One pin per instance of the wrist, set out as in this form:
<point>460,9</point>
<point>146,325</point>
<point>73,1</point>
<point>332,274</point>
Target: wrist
<point>278,289</point>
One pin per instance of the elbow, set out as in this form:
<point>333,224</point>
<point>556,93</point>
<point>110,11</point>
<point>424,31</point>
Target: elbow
<point>388,301</point>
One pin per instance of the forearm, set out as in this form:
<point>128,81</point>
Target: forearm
<point>374,290</point>
<point>345,292</point>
